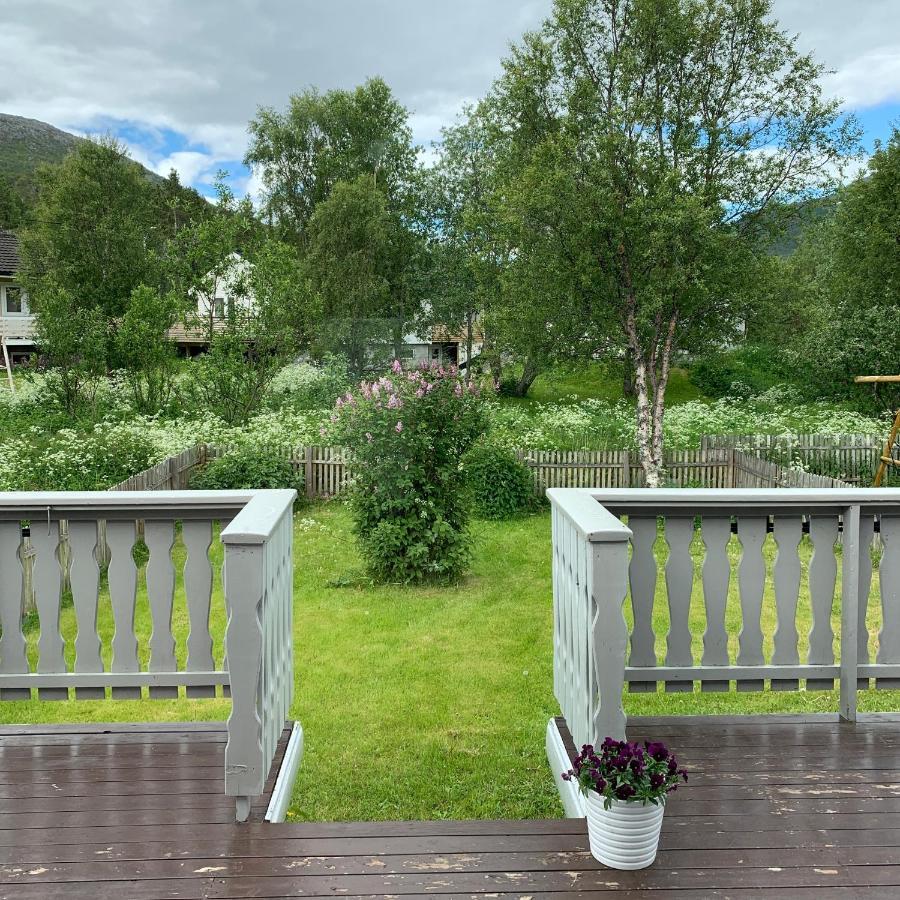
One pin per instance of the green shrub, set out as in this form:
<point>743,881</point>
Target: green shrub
<point>305,386</point>
<point>407,433</point>
<point>500,485</point>
<point>747,370</point>
<point>247,469</point>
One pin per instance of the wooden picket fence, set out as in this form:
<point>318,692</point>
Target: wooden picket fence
<point>721,462</point>
<point>325,473</point>
<point>851,458</point>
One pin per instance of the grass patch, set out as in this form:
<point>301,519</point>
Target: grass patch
<point>430,703</point>
<point>602,381</point>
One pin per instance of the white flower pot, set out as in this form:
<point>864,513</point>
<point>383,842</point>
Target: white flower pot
<point>626,835</point>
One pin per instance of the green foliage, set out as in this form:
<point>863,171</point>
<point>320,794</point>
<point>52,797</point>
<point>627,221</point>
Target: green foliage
<point>749,369</point>
<point>222,382</point>
<point>359,263</point>
<point>323,139</point>
<point>247,468</point>
<point>500,486</point>
<point>407,434</point>
<point>89,231</point>
<point>12,206</point>
<point>305,386</point>
<point>145,351</point>
<point>69,461</point>
<point>846,277</point>
<point>74,341</point>
<point>623,241</point>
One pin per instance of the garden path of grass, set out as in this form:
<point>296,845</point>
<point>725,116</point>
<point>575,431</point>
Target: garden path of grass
<point>427,702</point>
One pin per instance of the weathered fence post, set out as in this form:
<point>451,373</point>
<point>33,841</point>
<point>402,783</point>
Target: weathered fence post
<point>308,473</point>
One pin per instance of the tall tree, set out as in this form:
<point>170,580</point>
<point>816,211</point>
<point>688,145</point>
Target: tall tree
<point>90,231</point>
<point>322,139</point>
<point>845,276</point>
<point>12,206</point>
<point>469,250</point>
<point>668,128</point>
<point>361,268</point>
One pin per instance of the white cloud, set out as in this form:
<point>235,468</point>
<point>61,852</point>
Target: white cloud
<point>201,70</point>
<point>858,39</point>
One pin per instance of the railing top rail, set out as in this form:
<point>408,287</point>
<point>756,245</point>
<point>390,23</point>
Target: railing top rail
<point>724,500</point>
<point>258,519</point>
<point>590,519</point>
<point>74,505</point>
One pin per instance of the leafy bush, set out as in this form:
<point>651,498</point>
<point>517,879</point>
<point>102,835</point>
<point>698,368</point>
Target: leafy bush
<point>247,469</point>
<point>747,370</point>
<point>407,433</point>
<point>306,386</point>
<point>500,485</point>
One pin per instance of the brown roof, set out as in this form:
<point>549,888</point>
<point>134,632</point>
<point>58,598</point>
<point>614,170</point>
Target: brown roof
<point>9,253</point>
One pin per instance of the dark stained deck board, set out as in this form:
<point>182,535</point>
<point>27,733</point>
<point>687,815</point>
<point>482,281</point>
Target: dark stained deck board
<point>777,807</point>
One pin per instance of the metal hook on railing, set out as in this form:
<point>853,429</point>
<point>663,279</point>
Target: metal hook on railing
<point>48,521</point>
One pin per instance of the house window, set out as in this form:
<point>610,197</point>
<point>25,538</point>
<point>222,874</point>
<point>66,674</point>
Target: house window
<point>14,301</point>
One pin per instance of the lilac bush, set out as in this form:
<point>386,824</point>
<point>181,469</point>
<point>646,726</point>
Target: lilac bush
<point>627,771</point>
<point>407,432</point>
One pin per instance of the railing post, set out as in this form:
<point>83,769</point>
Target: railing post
<point>608,635</point>
<point>308,473</point>
<point>849,612</point>
<point>245,768</point>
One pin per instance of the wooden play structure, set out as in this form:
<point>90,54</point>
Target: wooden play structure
<point>887,457</point>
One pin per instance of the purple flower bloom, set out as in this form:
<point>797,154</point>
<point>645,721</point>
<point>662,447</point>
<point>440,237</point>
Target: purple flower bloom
<point>398,427</point>
<point>625,791</point>
<point>396,368</point>
<point>657,750</point>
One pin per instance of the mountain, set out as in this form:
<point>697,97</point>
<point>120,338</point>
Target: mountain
<point>26,144</point>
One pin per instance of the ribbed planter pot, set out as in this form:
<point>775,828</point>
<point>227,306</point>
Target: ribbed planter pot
<point>626,835</point>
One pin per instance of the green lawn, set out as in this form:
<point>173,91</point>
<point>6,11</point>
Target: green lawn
<point>426,703</point>
<point>603,381</point>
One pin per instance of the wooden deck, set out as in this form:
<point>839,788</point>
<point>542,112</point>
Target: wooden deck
<point>777,807</point>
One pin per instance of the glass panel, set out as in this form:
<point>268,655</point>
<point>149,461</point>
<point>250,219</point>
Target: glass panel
<point>15,301</point>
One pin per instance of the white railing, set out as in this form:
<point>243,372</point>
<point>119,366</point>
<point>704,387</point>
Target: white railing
<point>17,328</point>
<point>595,656</point>
<point>258,663</point>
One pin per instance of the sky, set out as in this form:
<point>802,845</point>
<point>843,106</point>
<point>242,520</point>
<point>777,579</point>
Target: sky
<point>178,81</point>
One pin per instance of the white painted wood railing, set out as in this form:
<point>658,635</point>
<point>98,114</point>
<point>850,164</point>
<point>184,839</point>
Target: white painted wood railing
<point>595,656</point>
<point>257,579</point>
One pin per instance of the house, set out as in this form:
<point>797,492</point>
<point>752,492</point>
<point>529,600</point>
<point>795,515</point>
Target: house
<point>222,291</point>
<point>16,321</point>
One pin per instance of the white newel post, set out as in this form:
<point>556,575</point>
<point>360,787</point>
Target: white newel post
<point>245,768</point>
<point>609,633</point>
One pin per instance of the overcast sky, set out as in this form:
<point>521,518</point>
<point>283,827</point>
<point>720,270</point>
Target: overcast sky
<point>178,81</point>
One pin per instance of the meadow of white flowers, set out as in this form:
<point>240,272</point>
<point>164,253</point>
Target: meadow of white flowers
<point>40,455</point>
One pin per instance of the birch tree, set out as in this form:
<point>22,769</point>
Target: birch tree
<point>679,125</point>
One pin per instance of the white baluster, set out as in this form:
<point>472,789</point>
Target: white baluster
<point>716,533</point>
<point>159,537</point>
<point>85,580</point>
<point>13,656</point>
<point>198,577</point>
<point>786,574</point>
<point>751,582</point>
<point>889,579</point>
<point>120,537</point>
<point>679,584</point>
<point>642,578</point>
<point>823,530</point>
<point>47,592</point>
